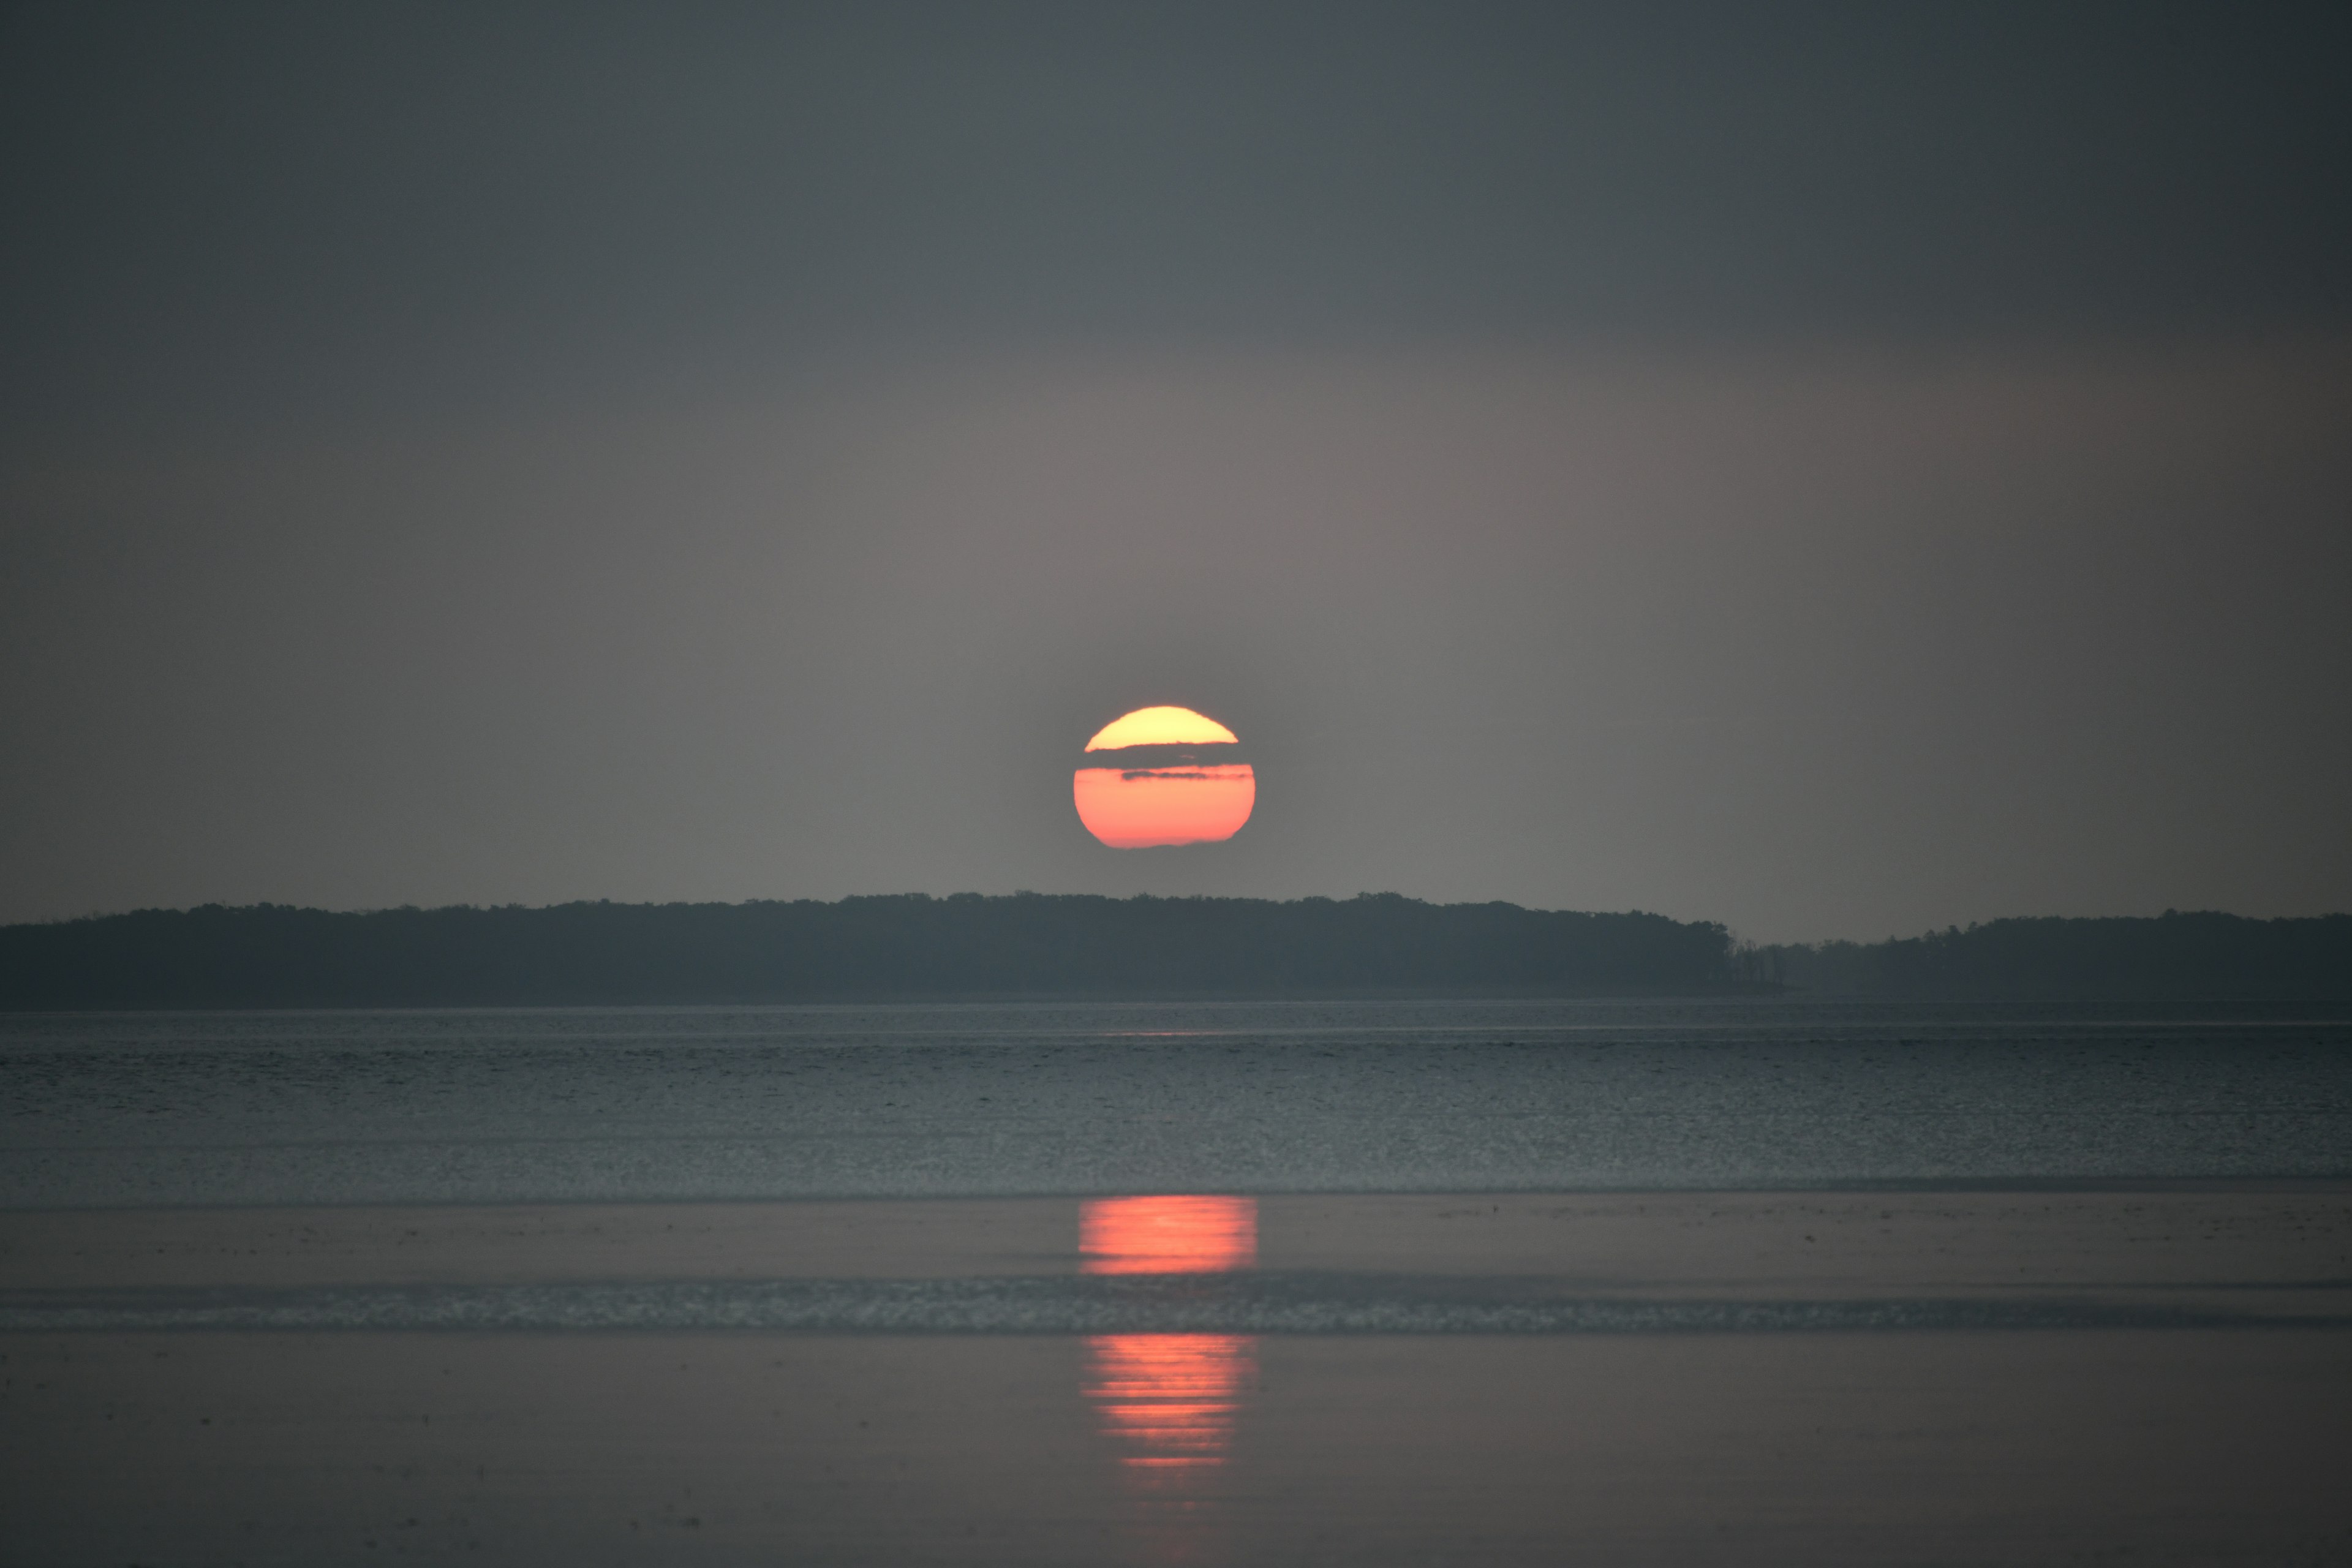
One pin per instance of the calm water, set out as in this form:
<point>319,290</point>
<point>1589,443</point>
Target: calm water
<point>616,1104</point>
<point>1168,1360</point>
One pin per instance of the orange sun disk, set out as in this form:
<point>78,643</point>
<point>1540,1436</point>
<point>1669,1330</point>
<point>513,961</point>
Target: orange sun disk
<point>1173,789</point>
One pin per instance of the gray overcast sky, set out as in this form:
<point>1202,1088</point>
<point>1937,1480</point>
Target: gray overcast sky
<point>1834,469</point>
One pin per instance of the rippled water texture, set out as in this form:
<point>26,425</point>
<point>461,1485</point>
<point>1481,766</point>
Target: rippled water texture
<point>519,1106</point>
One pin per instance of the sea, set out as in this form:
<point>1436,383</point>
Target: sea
<point>1009,1099</point>
<point>1376,1282</point>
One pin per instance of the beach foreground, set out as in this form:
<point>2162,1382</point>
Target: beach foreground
<point>1917,1376</point>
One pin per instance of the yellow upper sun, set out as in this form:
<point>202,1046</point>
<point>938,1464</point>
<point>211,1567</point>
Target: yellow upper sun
<point>1160,727</point>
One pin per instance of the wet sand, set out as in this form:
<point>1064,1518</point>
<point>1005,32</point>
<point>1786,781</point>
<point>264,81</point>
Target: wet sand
<point>2186,1444</point>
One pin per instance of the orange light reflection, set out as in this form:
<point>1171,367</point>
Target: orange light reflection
<point>1175,1235</point>
<point>1169,1403</point>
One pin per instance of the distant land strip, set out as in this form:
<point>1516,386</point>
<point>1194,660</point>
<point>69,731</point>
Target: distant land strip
<point>1030,944</point>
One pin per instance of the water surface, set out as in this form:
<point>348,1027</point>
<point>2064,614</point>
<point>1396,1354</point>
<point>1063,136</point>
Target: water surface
<point>557,1105</point>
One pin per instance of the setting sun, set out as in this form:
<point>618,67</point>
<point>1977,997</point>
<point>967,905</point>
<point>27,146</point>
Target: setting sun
<point>1164,776</point>
<point>1161,726</point>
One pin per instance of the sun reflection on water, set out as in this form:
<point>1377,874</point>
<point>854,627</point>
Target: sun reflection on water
<point>1169,1403</point>
<point>1168,1234</point>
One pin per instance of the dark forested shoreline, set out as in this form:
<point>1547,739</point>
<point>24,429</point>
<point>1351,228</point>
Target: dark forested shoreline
<point>2201,954</point>
<point>910,945</point>
<point>1034,944</point>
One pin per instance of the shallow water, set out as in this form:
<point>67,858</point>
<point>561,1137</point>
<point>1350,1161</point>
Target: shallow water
<point>1077,1098</point>
<point>1867,1378</point>
<point>1298,1338</point>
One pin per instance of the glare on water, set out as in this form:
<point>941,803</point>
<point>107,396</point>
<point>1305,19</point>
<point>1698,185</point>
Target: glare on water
<point>1169,1403</point>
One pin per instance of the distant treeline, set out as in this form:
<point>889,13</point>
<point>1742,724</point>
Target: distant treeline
<point>272,955</point>
<point>276,956</point>
<point>2172,954</point>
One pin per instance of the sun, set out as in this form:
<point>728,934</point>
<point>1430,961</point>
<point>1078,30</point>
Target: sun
<point>1164,776</point>
<point>1161,726</point>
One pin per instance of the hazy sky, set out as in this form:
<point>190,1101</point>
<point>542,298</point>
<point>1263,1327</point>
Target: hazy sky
<point>1835,471</point>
